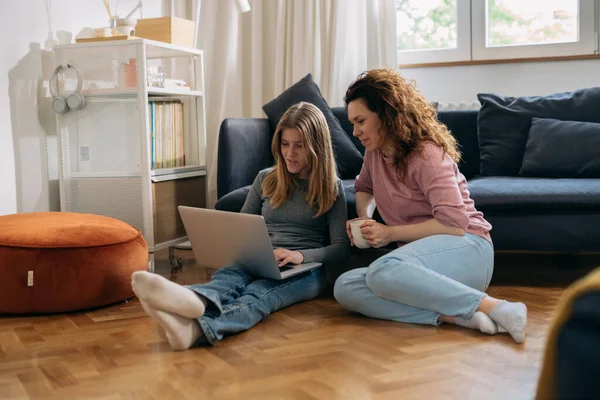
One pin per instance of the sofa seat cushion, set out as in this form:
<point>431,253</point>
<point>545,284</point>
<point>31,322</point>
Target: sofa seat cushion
<point>545,229</point>
<point>526,193</point>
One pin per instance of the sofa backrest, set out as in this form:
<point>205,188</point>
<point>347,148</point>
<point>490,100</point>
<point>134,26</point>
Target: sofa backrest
<point>462,124</point>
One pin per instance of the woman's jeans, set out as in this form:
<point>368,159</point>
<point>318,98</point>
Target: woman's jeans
<point>418,282</point>
<point>236,300</point>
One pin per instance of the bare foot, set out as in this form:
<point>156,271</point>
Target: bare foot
<point>162,294</point>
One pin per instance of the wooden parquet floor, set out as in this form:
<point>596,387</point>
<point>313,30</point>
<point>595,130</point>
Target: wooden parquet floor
<point>314,350</point>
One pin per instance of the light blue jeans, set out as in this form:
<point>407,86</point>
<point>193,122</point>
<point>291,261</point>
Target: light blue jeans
<point>418,282</point>
<point>236,300</point>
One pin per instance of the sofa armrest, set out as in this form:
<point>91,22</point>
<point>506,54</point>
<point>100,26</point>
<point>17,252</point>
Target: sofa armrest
<point>244,150</point>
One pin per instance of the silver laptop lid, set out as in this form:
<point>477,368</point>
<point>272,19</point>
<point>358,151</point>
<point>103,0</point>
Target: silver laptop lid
<point>221,238</point>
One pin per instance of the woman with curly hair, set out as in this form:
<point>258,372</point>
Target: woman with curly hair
<point>445,258</point>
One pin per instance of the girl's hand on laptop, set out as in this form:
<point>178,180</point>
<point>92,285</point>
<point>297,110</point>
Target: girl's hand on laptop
<point>285,256</point>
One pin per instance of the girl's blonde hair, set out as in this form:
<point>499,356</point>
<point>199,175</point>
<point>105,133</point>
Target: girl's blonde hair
<point>279,184</point>
<point>408,120</point>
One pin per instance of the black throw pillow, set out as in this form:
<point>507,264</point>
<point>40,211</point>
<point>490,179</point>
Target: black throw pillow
<point>504,122</point>
<point>562,149</point>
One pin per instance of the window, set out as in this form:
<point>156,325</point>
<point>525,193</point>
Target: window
<point>461,30</point>
<point>433,30</point>
<point>520,29</point>
<point>517,22</point>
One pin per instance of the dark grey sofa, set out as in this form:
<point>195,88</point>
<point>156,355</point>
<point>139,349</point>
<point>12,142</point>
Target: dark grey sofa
<point>527,213</point>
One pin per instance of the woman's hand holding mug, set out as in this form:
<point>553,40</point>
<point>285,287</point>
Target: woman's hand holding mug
<point>353,229</point>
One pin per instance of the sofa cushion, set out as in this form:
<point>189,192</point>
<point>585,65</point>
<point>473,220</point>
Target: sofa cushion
<point>545,229</point>
<point>247,136</point>
<point>350,197</point>
<point>233,201</point>
<point>341,113</point>
<point>562,149</point>
<point>504,123</point>
<point>531,193</point>
<point>348,158</point>
<point>463,126</point>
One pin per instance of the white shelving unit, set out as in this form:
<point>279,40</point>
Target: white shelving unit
<point>107,149</point>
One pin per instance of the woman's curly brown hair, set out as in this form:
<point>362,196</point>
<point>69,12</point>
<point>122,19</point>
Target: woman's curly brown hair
<point>408,120</point>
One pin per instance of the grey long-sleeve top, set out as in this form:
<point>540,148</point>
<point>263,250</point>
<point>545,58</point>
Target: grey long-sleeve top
<point>292,226</point>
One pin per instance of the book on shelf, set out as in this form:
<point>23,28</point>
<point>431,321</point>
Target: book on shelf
<point>166,129</point>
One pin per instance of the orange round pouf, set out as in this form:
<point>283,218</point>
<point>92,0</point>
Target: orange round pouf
<point>59,261</point>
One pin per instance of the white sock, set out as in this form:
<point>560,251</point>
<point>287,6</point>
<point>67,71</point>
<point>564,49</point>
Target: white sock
<point>162,294</point>
<point>479,321</point>
<point>181,332</point>
<point>512,317</point>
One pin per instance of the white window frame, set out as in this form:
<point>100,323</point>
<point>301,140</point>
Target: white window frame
<point>472,37</point>
<point>585,45</point>
<point>462,51</point>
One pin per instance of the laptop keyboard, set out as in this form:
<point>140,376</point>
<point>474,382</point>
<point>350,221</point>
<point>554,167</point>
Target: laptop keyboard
<point>285,268</point>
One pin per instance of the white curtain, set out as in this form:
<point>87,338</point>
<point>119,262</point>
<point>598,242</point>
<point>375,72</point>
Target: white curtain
<point>251,57</point>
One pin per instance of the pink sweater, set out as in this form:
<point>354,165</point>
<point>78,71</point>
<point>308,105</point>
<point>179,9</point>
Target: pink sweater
<point>432,186</point>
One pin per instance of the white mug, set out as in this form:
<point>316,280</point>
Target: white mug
<point>357,238</point>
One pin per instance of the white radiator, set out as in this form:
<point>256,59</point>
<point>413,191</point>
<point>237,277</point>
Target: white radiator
<point>459,105</point>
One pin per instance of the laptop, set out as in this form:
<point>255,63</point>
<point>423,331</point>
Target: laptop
<point>223,238</point>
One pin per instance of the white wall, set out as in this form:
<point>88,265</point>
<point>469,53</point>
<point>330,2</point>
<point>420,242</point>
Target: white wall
<point>28,149</point>
<point>462,83</point>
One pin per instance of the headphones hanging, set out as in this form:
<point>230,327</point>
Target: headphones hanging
<point>74,101</point>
